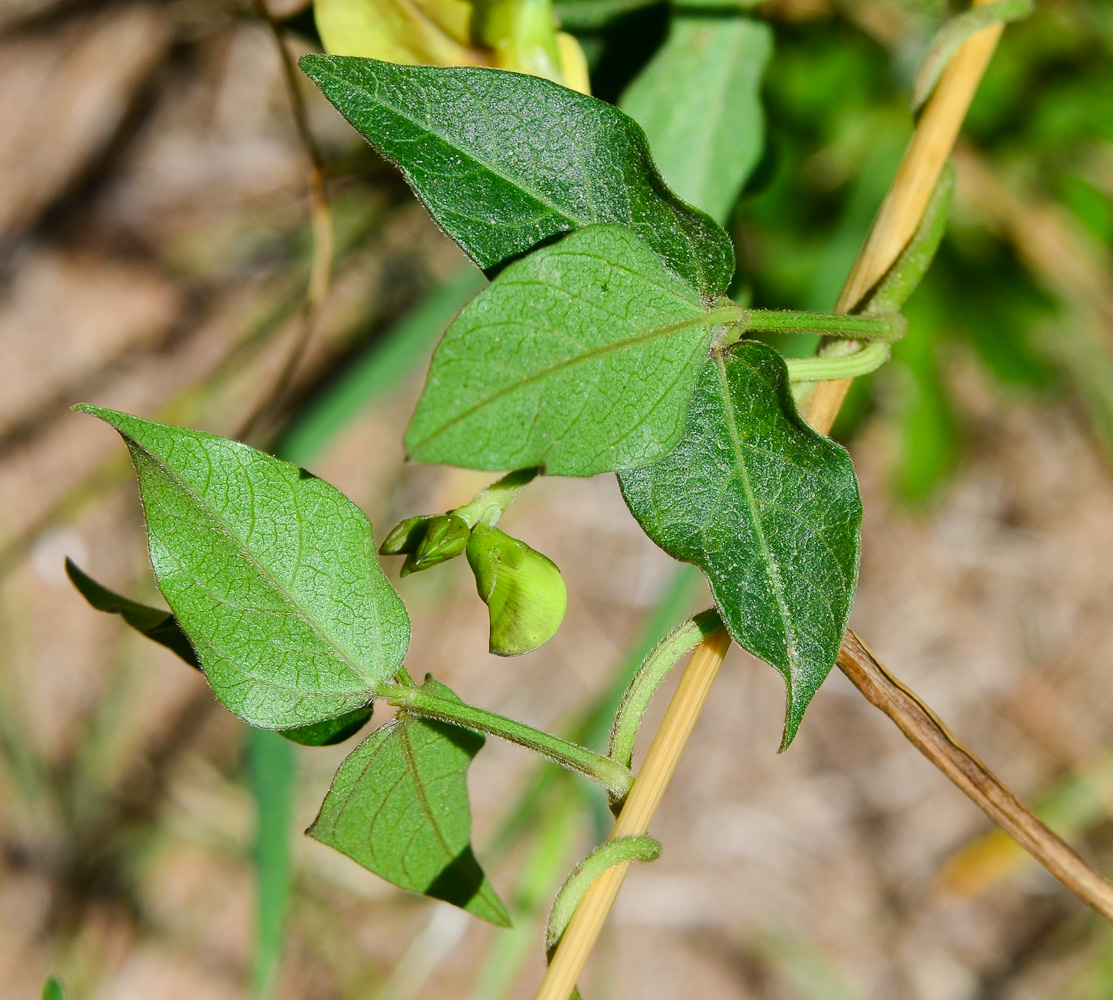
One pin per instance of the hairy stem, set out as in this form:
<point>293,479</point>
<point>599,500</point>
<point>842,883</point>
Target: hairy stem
<point>487,506</point>
<point>653,670</point>
<point>605,856</point>
<point>823,367</point>
<point>884,327</point>
<point>613,776</point>
<point>653,778</point>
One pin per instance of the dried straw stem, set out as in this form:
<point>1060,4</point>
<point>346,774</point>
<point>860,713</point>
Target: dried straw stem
<point>904,205</point>
<point>896,222</point>
<point>936,742</point>
<point>645,796</point>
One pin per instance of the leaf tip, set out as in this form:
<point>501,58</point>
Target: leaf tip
<point>796,701</point>
<point>792,726</point>
<point>799,692</point>
<point>114,418</point>
<point>81,580</point>
<point>500,916</point>
<point>311,61</point>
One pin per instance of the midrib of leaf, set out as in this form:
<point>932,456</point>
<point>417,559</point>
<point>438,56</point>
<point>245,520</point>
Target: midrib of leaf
<point>470,157</point>
<point>385,730</point>
<point>704,319</point>
<point>411,763</point>
<point>226,529</point>
<point>744,477</point>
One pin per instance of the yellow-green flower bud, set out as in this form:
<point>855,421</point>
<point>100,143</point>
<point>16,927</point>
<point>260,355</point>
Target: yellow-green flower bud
<point>446,537</point>
<point>405,536</point>
<point>523,590</point>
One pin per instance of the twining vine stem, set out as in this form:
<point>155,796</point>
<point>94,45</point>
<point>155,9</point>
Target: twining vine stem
<point>896,222</point>
<point>610,773</point>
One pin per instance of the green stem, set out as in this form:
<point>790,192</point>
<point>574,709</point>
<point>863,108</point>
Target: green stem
<point>901,279</point>
<point>613,852</point>
<point>487,506</point>
<point>653,670</point>
<point>823,369</point>
<point>612,775</point>
<point>888,326</point>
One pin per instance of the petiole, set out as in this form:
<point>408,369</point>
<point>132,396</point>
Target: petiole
<point>613,776</point>
<point>487,506</point>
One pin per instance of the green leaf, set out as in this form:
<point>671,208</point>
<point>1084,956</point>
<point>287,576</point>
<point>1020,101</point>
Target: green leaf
<point>331,731</point>
<point>699,101</point>
<point>580,358</point>
<point>156,624</point>
<point>163,628</point>
<point>399,807</point>
<point>505,162</point>
<point>271,572</point>
<point>768,509</point>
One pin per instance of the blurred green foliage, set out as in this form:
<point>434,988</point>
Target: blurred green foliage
<point>1042,123</point>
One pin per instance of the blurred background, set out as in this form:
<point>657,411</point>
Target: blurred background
<point>155,246</point>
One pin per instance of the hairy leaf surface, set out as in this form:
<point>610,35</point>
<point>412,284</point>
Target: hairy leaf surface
<point>505,162</point>
<point>580,358</point>
<point>699,102</point>
<point>768,509</point>
<point>399,807</point>
<point>271,572</point>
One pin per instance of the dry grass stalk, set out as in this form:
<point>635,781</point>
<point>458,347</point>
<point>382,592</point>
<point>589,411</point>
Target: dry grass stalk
<point>653,778</point>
